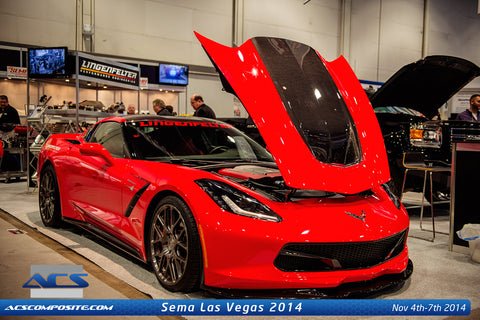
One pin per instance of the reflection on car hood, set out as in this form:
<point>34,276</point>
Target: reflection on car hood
<point>426,85</point>
<point>314,116</point>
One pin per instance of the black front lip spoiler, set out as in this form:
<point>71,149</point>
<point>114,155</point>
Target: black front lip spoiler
<point>357,290</point>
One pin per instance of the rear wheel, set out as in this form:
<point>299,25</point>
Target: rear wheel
<point>174,246</point>
<point>49,198</point>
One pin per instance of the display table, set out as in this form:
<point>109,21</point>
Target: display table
<point>18,155</point>
<point>464,193</point>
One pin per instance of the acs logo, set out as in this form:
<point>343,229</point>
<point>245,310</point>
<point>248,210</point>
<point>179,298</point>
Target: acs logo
<point>56,281</point>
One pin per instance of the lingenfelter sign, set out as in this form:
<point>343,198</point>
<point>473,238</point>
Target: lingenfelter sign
<point>102,70</point>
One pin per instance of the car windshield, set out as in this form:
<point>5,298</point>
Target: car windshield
<point>192,140</point>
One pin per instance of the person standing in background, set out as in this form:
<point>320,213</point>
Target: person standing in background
<point>8,115</point>
<point>131,109</point>
<point>159,108</point>
<point>9,118</point>
<point>170,109</point>
<point>471,114</point>
<point>201,109</point>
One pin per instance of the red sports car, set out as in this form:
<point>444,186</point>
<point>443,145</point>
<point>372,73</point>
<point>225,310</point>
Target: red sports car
<point>209,207</point>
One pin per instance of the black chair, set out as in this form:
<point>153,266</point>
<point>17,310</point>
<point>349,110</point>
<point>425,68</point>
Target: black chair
<point>416,161</point>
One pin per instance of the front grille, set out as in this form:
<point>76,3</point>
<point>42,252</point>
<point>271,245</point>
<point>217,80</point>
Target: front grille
<point>295,257</point>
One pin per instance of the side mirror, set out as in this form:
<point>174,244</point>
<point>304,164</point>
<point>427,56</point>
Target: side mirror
<point>96,150</point>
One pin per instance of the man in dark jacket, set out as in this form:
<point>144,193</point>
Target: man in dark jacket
<point>473,113</point>
<point>201,109</point>
<point>8,119</point>
<point>159,108</point>
<point>8,115</point>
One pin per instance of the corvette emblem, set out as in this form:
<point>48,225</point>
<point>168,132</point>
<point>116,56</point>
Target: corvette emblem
<point>360,217</point>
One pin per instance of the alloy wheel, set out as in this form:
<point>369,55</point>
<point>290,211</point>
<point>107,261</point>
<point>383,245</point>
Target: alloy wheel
<point>169,244</point>
<point>49,198</point>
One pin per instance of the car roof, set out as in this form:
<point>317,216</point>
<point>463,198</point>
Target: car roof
<point>154,117</point>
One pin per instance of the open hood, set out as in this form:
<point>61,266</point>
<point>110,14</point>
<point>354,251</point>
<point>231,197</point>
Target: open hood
<point>313,115</point>
<point>426,85</point>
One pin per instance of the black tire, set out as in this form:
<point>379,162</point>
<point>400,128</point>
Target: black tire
<point>174,246</point>
<point>49,198</point>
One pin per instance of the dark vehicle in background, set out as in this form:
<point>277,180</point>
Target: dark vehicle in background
<point>407,108</point>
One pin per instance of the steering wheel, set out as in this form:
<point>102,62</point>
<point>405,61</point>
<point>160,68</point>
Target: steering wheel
<point>217,149</point>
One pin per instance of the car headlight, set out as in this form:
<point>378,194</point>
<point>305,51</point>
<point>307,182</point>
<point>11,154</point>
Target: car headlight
<point>235,201</point>
<point>422,135</point>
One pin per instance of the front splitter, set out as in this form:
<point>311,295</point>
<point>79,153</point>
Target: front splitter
<point>356,290</point>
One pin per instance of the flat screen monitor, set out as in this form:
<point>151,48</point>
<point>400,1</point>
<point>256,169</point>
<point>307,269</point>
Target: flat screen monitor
<point>150,72</point>
<point>173,74</point>
<point>47,62</point>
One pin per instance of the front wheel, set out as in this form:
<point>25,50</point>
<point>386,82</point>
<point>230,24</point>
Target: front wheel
<point>49,198</point>
<point>174,246</point>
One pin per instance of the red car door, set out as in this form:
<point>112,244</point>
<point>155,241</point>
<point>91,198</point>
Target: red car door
<point>96,182</point>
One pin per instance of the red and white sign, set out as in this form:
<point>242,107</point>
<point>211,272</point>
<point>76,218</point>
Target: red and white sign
<point>143,82</point>
<point>16,72</point>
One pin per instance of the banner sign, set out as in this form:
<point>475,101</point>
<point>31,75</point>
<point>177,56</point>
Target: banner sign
<point>102,70</point>
<point>16,72</point>
<point>230,307</point>
<point>143,82</point>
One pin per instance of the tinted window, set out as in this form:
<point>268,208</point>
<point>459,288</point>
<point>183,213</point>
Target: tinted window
<point>109,135</point>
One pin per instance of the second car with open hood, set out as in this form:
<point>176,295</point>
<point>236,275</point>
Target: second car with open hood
<point>407,107</point>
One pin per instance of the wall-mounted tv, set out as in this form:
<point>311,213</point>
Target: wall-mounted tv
<point>47,62</point>
<point>173,74</point>
<point>150,72</point>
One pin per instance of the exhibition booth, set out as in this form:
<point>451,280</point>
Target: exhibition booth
<point>64,91</point>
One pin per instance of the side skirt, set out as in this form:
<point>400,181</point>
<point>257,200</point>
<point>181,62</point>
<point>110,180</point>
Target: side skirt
<point>106,236</point>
